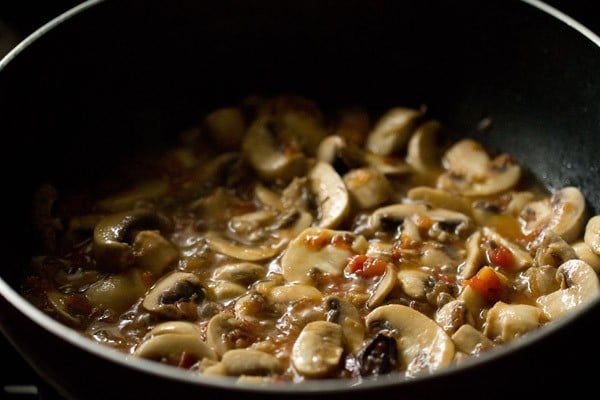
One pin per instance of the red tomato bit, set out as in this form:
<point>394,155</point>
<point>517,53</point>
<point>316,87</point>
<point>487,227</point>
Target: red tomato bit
<point>365,266</point>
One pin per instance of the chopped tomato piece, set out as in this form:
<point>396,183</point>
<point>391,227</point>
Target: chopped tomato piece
<point>365,266</point>
<point>501,256</point>
<point>487,284</point>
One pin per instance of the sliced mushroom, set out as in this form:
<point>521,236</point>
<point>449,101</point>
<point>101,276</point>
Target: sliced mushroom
<point>414,282</point>
<point>171,290</point>
<point>585,253</point>
<point>241,251</point>
<point>563,213</point>
<point>475,256</point>
<point>153,252</point>
<point>438,198</point>
<point>471,172</point>
<point>423,344</point>
<point>220,332</point>
<point>280,231</point>
<point>422,153</point>
<point>348,317</point>
<point>171,347</point>
<point>368,187</point>
<point>176,327</point>
<point>470,340</point>
<point>592,234</point>
<point>318,350</point>
<point>114,235</point>
<point>320,249</point>
<point>246,362</point>
<point>127,199</point>
<point>393,130</point>
<point>579,284</point>
<point>261,147</point>
<point>243,273</point>
<point>291,293</point>
<point>384,286</point>
<point>331,194</point>
<point>506,322</point>
<point>116,292</point>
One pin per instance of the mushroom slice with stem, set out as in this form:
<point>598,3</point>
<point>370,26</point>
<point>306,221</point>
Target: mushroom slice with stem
<point>318,350</point>
<point>592,234</point>
<point>278,237</point>
<point>115,233</point>
<point>348,317</point>
<point>320,249</point>
<point>471,172</point>
<point>579,284</point>
<point>563,213</point>
<point>422,343</point>
<point>246,362</point>
<point>332,196</point>
<point>173,290</point>
<point>393,130</point>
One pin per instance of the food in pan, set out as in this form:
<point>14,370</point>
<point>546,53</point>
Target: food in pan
<point>279,241</point>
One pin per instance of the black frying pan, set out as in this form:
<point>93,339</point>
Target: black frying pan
<point>111,77</point>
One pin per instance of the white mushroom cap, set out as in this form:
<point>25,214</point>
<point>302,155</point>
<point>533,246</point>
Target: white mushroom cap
<point>423,344</point>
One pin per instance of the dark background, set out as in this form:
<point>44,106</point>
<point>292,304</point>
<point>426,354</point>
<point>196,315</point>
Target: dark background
<point>19,18</point>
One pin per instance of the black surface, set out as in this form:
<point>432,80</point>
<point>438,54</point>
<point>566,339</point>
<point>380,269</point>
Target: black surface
<point>25,16</point>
